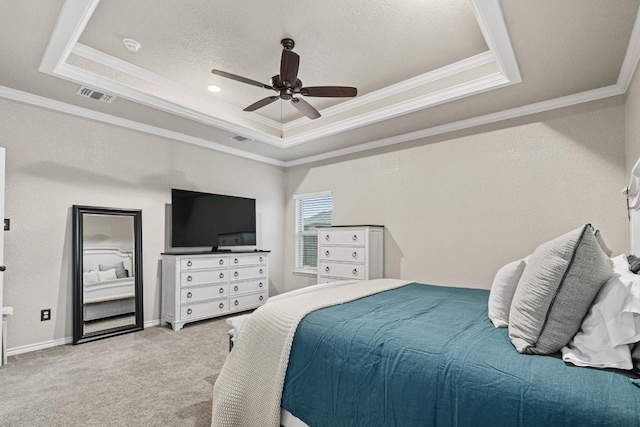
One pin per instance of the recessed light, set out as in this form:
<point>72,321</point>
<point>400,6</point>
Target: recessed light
<point>131,45</point>
<point>214,89</point>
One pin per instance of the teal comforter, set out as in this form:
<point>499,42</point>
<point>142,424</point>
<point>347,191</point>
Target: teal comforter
<point>425,355</point>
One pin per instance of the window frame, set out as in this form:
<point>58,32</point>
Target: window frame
<point>301,269</point>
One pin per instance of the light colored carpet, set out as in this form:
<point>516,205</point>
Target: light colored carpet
<point>155,377</point>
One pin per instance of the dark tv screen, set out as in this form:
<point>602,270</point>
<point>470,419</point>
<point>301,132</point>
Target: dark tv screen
<point>203,219</point>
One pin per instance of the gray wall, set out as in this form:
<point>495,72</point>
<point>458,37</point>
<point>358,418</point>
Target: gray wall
<point>458,206</point>
<point>55,161</point>
<point>632,122</point>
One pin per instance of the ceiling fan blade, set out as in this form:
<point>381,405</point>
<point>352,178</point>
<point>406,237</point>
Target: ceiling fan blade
<point>305,108</point>
<point>289,66</point>
<point>240,79</point>
<point>263,102</point>
<point>330,91</point>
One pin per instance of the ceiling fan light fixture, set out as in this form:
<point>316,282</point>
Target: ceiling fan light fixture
<point>214,88</point>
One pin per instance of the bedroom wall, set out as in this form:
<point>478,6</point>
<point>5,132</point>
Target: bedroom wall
<point>632,122</point>
<point>458,206</point>
<point>55,160</point>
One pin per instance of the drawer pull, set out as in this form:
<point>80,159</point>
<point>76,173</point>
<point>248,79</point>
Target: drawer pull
<point>221,290</point>
<point>236,302</point>
<point>355,272</point>
<point>235,288</point>
<point>261,297</point>
<point>326,254</point>
<point>355,255</point>
<point>222,275</point>
<point>221,306</point>
<point>189,295</point>
<point>189,278</point>
<point>326,269</point>
<point>235,261</point>
<point>327,238</point>
<point>260,284</point>
<point>189,263</point>
<point>261,259</point>
<point>261,271</point>
<point>235,274</point>
<point>189,312</point>
<point>355,238</point>
<point>221,262</point>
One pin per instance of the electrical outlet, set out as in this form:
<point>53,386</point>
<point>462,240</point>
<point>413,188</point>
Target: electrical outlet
<point>45,314</point>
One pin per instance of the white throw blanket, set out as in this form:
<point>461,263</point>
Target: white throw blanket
<point>249,388</point>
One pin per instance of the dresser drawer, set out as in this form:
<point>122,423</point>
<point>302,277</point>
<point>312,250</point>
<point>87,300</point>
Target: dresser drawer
<point>247,301</point>
<point>240,261</point>
<point>247,272</point>
<point>329,279</point>
<point>189,278</point>
<point>349,271</point>
<point>209,262</point>
<point>247,287</point>
<point>338,253</point>
<point>204,309</point>
<point>204,292</point>
<point>341,237</point>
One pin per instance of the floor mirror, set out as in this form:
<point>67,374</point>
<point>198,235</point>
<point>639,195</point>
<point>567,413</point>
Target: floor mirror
<point>107,272</point>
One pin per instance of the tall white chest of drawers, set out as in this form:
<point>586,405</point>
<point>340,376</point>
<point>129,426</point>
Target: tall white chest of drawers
<point>350,253</point>
<point>201,286</point>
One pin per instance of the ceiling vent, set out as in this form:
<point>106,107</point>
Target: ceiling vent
<point>94,94</point>
<point>240,138</point>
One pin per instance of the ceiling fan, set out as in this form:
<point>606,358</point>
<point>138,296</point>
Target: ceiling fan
<point>287,85</point>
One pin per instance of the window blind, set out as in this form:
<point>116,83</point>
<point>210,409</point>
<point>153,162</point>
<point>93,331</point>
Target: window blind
<point>311,211</point>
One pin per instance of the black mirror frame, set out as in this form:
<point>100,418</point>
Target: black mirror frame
<point>78,322</point>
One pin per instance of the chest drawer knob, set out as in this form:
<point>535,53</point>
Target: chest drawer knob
<point>189,263</point>
<point>261,259</point>
<point>326,254</point>
<point>221,262</point>
<point>260,284</point>
<point>236,302</point>
<point>222,275</point>
<point>189,278</point>
<point>189,311</point>
<point>326,269</point>
<point>221,306</point>
<point>235,261</point>
<point>189,295</point>
<point>221,290</point>
<point>355,238</point>
<point>235,288</point>
<point>327,238</point>
<point>235,274</point>
<point>261,271</point>
<point>355,255</point>
<point>261,297</point>
<point>355,272</point>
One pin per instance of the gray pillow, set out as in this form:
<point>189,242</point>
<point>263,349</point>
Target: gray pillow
<point>120,271</point>
<point>602,244</point>
<point>634,263</point>
<point>556,289</point>
<point>635,355</point>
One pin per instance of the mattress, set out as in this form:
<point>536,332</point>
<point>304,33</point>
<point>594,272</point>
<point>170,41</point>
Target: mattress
<point>425,355</point>
<point>109,290</point>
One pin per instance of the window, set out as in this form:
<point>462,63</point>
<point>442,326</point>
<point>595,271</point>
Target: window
<point>312,210</point>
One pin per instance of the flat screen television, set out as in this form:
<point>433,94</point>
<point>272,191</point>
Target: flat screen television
<point>211,220</point>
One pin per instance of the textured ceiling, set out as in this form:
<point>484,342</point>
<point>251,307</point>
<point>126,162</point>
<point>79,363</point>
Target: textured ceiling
<point>562,48</point>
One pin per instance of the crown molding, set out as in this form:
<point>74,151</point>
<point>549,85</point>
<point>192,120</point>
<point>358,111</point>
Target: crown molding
<point>538,107</point>
<point>631,57</point>
<point>76,14</point>
<point>63,107</point>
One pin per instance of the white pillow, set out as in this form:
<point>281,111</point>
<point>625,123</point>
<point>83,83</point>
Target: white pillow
<point>105,276</point>
<point>90,277</point>
<point>611,325</point>
<point>502,291</point>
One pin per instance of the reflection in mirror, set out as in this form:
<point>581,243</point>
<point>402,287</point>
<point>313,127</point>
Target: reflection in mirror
<point>108,294</point>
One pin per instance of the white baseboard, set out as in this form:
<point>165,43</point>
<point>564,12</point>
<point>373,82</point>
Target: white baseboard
<point>61,341</point>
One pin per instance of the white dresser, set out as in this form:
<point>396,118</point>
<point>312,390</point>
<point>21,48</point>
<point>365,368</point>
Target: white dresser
<point>350,253</point>
<point>200,286</point>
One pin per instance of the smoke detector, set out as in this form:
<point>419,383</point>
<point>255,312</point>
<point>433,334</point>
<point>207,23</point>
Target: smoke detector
<point>131,45</point>
<point>94,94</point>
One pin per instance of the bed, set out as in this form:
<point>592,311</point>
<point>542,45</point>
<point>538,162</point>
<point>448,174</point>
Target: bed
<point>108,298</point>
